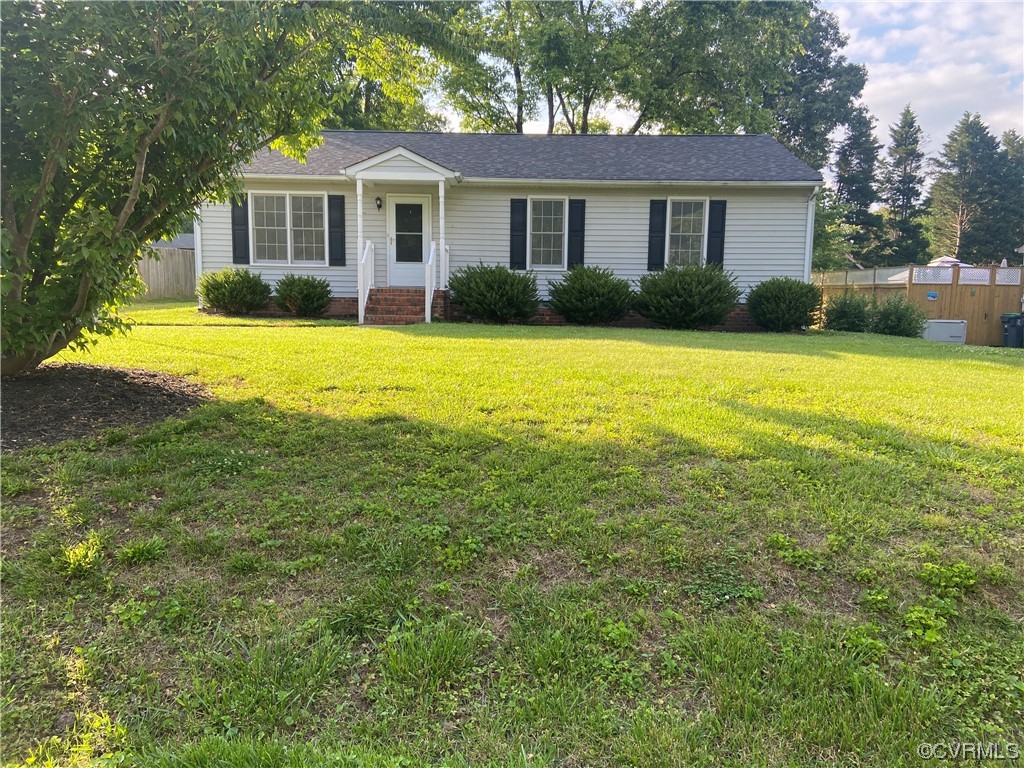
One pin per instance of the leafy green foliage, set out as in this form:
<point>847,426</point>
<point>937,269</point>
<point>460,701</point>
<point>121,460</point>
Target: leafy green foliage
<point>235,291</point>
<point>591,295</point>
<point>83,558</point>
<point>788,550</point>
<point>898,316</point>
<point>495,294</point>
<point>847,311</point>
<point>720,582</point>
<point>784,304</point>
<point>949,580</point>
<point>833,232</point>
<point>303,295</point>
<point>150,109</point>
<point>687,297</point>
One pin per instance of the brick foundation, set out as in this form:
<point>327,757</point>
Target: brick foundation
<point>339,308</point>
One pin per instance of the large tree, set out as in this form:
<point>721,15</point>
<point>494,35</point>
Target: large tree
<point>966,197</point>
<point>119,118</point>
<point>1011,201</point>
<point>856,172</point>
<point>902,191</point>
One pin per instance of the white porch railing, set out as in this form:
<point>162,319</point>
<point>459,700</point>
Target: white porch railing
<point>430,281</point>
<point>365,277</point>
<point>445,265</point>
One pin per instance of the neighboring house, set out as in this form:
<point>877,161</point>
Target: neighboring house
<point>373,212</point>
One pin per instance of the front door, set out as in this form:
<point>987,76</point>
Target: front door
<point>408,239</point>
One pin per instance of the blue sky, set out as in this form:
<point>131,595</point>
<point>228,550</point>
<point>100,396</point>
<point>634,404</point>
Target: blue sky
<point>942,58</point>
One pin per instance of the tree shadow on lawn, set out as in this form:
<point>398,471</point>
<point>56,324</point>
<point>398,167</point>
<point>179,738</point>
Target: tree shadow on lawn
<point>827,344</point>
<point>363,523</point>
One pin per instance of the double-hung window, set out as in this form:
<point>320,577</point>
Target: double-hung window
<point>288,229</point>
<point>687,230</point>
<point>548,233</point>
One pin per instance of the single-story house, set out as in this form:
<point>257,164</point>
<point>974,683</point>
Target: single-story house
<point>387,216</point>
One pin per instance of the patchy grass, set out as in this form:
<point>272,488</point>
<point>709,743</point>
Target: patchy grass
<point>467,545</point>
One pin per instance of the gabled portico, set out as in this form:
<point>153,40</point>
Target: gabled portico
<point>403,182</point>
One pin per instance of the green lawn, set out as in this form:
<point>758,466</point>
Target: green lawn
<point>470,545</point>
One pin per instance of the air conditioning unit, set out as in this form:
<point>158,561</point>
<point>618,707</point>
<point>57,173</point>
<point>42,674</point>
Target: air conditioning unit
<point>949,331</point>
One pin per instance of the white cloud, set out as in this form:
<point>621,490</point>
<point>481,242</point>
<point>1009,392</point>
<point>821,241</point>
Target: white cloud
<point>943,58</point>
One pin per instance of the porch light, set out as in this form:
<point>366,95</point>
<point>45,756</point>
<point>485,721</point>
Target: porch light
<point>379,202</point>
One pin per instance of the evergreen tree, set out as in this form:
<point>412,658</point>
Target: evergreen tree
<point>856,169</point>
<point>967,196</point>
<point>902,191</point>
<point>1012,196</point>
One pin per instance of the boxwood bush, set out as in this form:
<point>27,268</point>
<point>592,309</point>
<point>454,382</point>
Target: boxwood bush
<point>848,311</point>
<point>303,295</point>
<point>687,297</point>
<point>235,291</point>
<point>898,316</point>
<point>495,294</point>
<point>784,304</point>
<point>591,295</point>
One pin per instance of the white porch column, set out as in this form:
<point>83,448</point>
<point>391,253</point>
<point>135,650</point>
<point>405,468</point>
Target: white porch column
<point>440,215</point>
<point>360,245</point>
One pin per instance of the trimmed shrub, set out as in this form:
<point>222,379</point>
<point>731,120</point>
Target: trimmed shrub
<point>303,295</point>
<point>495,294</point>
<point>687,297</point>
<point>849,311</point>
<point>591,295</point>
<point>897,316</point>
<point>235,291</point>
<point>784,304</point>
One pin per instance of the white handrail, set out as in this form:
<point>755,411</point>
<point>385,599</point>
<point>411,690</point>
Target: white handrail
<point>446,266</point>
<point>430,281</point>
<point>365,278</point>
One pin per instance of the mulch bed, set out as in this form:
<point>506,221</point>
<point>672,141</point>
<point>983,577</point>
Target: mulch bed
<point>67,402</point>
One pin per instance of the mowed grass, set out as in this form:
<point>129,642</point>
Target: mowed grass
<point>467,545</point>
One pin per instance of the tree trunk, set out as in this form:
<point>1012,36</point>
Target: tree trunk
<point>15,365</point>
<point>550,92</point>
<point>517,73</point>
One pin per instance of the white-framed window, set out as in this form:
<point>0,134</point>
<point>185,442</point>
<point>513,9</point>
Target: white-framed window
<point>686,242</point>
<point>288,228</point>
<point>548,234</point>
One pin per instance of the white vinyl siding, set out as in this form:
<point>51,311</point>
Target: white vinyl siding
<point>547,233</point>
<point>765,233</point>
<point>687,233</point>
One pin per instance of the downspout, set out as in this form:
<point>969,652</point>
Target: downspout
<point>809,240</point>
<point>197,245</point>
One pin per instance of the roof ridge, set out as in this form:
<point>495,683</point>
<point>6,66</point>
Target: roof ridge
<point>552,135</point>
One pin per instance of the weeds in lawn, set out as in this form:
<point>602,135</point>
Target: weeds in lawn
<point>139,551</point>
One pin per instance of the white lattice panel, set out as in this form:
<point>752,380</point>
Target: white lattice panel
<point>1008,276</point>
<point>974,275</point>
<point>933,275</point>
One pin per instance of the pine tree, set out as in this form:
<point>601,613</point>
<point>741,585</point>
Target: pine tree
<point>967,207</point>
<point>902,191</point>
<point>1011,202</point>
<point>856,169</point>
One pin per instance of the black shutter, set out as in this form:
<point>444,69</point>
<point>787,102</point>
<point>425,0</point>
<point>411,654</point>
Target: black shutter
<point>716,233</point>
<point>517,234</point>
<point>240,231</point>
<point>656,235</point>
<point>336,230</point>
<point>577,221</point>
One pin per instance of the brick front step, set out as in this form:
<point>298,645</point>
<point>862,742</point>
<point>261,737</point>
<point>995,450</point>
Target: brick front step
<point>392,319</point>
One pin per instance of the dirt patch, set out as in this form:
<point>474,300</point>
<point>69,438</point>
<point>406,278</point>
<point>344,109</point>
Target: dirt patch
<point>67,402</point>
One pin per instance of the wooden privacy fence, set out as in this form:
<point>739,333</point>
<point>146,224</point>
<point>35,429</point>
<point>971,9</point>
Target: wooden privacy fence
<point>172,276</point>
<point>978,295</point>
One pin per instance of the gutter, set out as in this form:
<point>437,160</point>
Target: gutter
<point>809,237</point>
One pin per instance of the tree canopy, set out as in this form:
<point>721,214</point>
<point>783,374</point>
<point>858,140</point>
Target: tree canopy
<point>119,118</point>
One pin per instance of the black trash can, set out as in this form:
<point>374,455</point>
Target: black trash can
<point>1013,330</point>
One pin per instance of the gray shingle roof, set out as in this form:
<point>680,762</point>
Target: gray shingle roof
<point>587,158</point>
